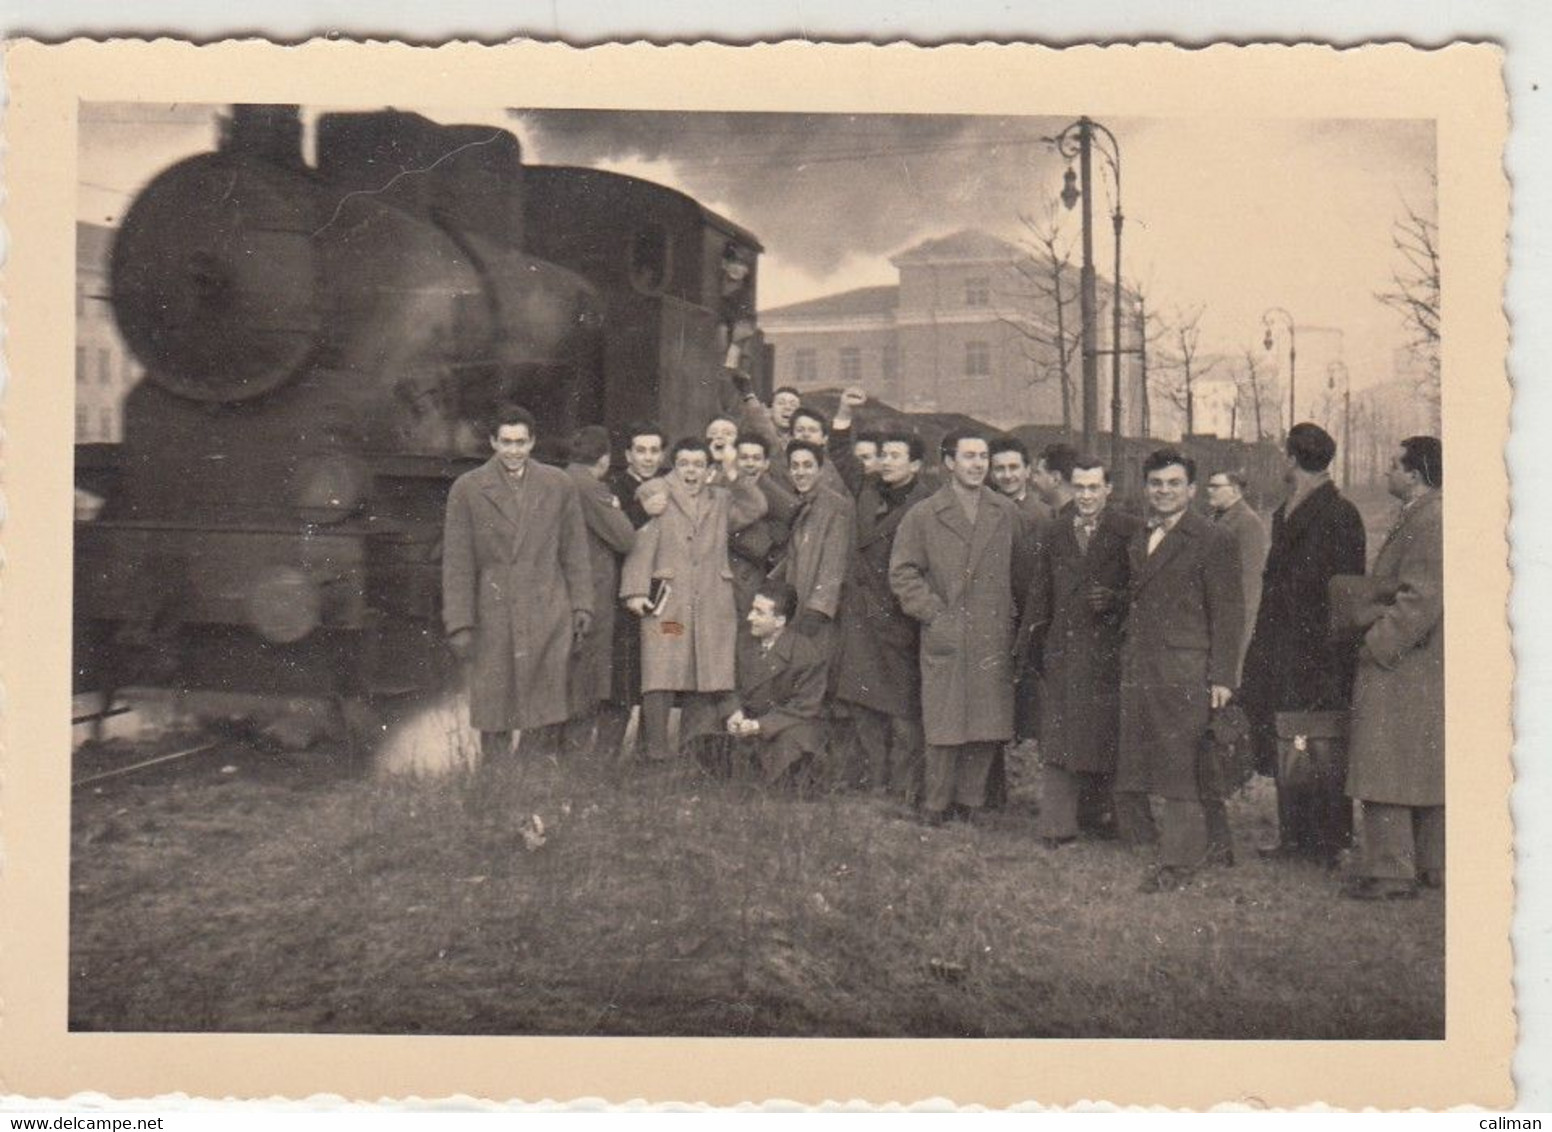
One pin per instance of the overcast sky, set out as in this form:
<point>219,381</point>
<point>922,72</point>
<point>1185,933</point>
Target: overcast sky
<point>1234,216</point>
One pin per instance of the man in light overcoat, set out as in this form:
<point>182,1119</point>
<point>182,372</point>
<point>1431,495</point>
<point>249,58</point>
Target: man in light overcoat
<point>956,561</point>
<point>689,643</point>
<point>1183,631</point>
<point>1396,768</point>
<point>517,587</point>
<point>1226,503</point>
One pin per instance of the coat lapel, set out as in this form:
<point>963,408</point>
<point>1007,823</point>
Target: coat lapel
<point>988,520</point>
<point>1173,542</point>
<point>513,505</point>
<point>952,515</point>
<point>1305,515</point>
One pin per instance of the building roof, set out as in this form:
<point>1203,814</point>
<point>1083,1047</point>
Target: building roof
<point>969,245</point>
<point>93,243</point>
<point>857,303</point>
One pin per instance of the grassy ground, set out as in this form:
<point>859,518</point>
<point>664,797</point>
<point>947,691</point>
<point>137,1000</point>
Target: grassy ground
<point>236,895</point>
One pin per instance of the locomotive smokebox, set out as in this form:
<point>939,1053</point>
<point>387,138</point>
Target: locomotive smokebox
<point>214,277</point>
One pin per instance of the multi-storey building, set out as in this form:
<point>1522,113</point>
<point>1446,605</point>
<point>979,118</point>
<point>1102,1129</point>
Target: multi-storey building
<point>970,327</point>
<point>104,369</point>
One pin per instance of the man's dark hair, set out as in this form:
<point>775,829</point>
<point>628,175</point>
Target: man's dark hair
<point>915,446</point>
<point>1088,464</point>
<point>1236,476</point>
<point>1060,459</point>
<point>1310,446</point>
<point>806,446</point>
<point>590,444</point>
<point>869,436</point>
<point>644,428</point>
<point>782,595</point>
<point>1001,444</point>
<point>720,417</point>
<point>510,414</point>
<point>689,444</point>
<point>950,445</point>
<point>805,411</point>
<point>786,389</point>
<point>1425,456</point>
<point>753,438</point>
<point>1163,458</point>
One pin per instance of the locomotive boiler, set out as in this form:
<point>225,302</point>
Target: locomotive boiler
<point>323,343</point>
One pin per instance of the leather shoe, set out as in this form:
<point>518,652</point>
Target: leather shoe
<point>1165,878</point>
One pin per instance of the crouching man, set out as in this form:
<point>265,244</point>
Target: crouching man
<point>779,723</point>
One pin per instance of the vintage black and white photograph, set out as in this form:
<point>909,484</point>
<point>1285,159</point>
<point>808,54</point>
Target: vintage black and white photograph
<point>624,572</point>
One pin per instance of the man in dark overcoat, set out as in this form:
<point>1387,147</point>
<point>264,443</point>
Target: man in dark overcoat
<point>957,560</point>
<point>1070,635</point>
<point>1292,663</point>
<point>1183,632</point>
<point>754,550</point>
<point>878,674</point>
<point>779,721</point>
<point>1397,742</point>
<point>517,587</point>
<point>644,446</point>
<point>819,546</point>
<point>610,536</point>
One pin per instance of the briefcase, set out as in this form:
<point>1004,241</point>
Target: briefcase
<point>1311,750</point>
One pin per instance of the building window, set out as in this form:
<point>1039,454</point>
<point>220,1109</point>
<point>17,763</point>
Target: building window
<point>978,292</point>
<point>978,359</point>
<point>80,364</point>
<point>805,365</point>
<point>649,258</point>
<point>104,368</point>
<point>851,365</point>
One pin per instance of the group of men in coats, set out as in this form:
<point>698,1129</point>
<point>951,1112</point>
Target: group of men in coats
<point>786,580</point>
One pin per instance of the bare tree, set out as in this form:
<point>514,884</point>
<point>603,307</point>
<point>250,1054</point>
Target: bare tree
<point>1181,364</point>
<point>1249,384</point>
<point>1150,330</point>
<point>1048,284</point>
<point>1414,292</point>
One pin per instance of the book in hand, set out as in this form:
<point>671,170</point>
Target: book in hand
<point>657,596</point>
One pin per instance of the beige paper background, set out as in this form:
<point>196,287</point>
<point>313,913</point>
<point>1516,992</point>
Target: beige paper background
<point>1460,87</point>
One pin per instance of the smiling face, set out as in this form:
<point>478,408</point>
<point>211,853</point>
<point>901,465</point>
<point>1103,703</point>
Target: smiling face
<point>752,461</point>
<point>513,444</point>
<point>968,463</point>
<point>763,618</point>
<point>721,434</point>
<point>895,465</point>
<point>645,455</point>
<point>1170,490</point>
<point>1090,491</point>
<point>807,428</point>
<point>1010,474</point>
<point>804,470</point>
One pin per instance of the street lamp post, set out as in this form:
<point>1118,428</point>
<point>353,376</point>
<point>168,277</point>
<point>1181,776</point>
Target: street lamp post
<point>1332,371</point>
<point>1293,356</point>
<point>1078,140</point>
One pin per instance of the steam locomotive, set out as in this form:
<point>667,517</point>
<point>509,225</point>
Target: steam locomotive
<point>323,344</point>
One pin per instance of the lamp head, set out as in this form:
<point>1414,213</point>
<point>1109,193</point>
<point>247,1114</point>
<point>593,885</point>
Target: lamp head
<point>1070,188</point>
<point>1267,341</point>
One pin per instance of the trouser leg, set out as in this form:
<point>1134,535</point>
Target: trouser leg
<point>1096,804</point>
<point>997,779</point>
<point>1389,850</point>
<point>495,746</point>
<point>1428,838</point>
<point>907,759</point>
<point>1293,830</point>
<point>1220,839</point>
<point>941,772</point>
<point>870,736</point>
<point>655,709</point>
<point>1333,820</point>
<point>1060,790</point>
<point>1183,833</point>
<point>613,722</point>
<point>971,772</point>
<point>1134,818</point>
